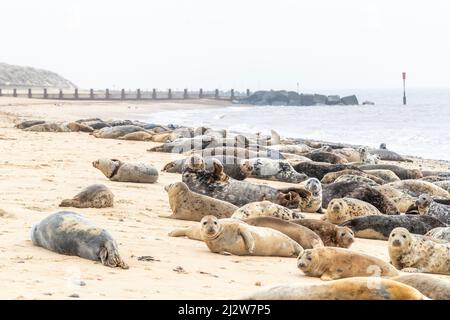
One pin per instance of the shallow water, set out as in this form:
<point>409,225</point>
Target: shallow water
<point>422,128</point>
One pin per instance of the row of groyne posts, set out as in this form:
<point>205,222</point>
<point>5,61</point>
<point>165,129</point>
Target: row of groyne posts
<point>107,94</point>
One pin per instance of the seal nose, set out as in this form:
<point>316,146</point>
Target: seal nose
<point>335,208</point>
<point>210,230</point>
<point>301,264</point>
<point>396,243</point>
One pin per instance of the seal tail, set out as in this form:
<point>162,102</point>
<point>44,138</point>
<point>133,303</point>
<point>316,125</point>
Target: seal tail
<point>109,256</point>
<point>178,233</point>
<point>68,203</point>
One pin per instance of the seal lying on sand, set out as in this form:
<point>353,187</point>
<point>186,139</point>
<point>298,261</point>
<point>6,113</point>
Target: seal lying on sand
<point>319,169</point>
<point>137,136</point>
<point>401,172</point>
<point>413,253</point>
<point>358,191</point>
<point>357,288</point>
<point>28,123</point>
<point>427,206</point>
<point>386,175</point>
<point>303,236</point>
<point>116,170</point>
<point>380,226</point>
<point>388,155</point>
<point>332,176</point>
<point>241,153</point>
<point>357,178</point>
<point>331,234</point>
<point>94,196</point>
<point>432,287</point>
<point>270,169</point>
<point>441,233</point>
<point>116,132</point>
<point>59,127</point>
<point>265,209</point>
<point>313,203</point>
<point>337,263</point>
<point>417,187</point>
<point>343,209</point>
<point>241,239</point>
<point>218,185</point>
<point>328,157</point>
<point>298,149</point>
<point>71,234</point>
<point>236,168</point>
<point>182,145</point>
<point>187,205</point>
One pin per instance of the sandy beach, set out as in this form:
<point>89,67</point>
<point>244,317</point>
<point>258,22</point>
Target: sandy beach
<point>38,170</point>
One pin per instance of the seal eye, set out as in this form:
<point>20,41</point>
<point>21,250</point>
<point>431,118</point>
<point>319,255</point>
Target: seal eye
<point>404,236</point>
<point>309,258</point>
<point>393,234</point>
<point>215,222</point>
<point>204,223</point>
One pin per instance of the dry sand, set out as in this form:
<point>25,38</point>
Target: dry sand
<point>38,170</point>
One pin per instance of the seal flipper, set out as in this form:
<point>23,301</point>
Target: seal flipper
<point>248,239</point>
<point>109,256</point>
<point>178,232</point>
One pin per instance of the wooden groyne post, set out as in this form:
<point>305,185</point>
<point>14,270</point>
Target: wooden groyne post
<point>29,93</point>
<point>15,93</point>
<point>138,94</point>
<point>169,94</point>
<point>122,94</point>
<point>200,93</point>
<point>216,94</point>
<point>45,93</point>
<point>91,94</point>
<point>107,94</point>
<point>154,94</point>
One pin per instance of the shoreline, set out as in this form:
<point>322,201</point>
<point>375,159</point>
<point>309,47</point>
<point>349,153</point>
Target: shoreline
<point>39,169</point>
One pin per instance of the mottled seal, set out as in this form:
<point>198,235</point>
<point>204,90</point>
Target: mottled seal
<point>324,156</point>
<point>357,178</point>
<point>265,209</point>
<point>187,205</point>
<point>413,253</point>
<point>270,169</point>
<point>218,185</point>
<point>94,196</point>
<point>319,169</point>
<point>381,226</point>
<point>445,184</point>
<point>343,209</point>
<point>241,239</point>
<point>401,172</point>
<point>417,187</point>
<point>70,233</point>
<point>440,233</point>
<point>402,200</point>
<point>431,286</point>
<point>331,234</point>
<point>116,132</point>
<point>116,170</point>
<point>236,168</point>
<point>358,155</point>
<point>332,176</point>
<point>181,145</point>
<point>241,153</point>
<point>359,191</point>
<point>386,175</point>
<point>59,127</point>
<point>313,203</point>
<point>337,263</point>
<point>303,236</point>
<point>427,206</point>
<point>357,288</point>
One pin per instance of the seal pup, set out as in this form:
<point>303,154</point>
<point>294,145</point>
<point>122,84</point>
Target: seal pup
<point>324,156</point>
<point>303,236</point>
<point>331,234</point>
<point>265,209</point>
<point>270,169</point>
<point>320,169</point>
<point>236,168</point>
<point>116,170</point>
<point>401,172</point>
<point>94,196</point>
<point>218,185</point>
<point>431,286</point>
<point>332,176</point>
<point>414,253</point>
<point>440,233</point>
<point>416,187</point>
<point>336,263</point>
<point>137,136</point>
<point>427,206</point>
<point>238,238</point>
<point>357,190</point>
<point>188,205</point>
<point>380,226</point>
<point>70,233</point>
<point>357,288</point>
<point>314,203</point>
<point>343,209</point>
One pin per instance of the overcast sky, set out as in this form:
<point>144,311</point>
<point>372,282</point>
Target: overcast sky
<point>256,44</point>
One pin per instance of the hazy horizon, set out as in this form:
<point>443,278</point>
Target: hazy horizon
<point>232,44</point>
